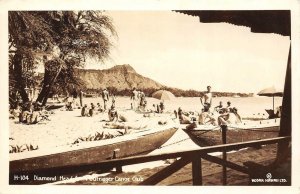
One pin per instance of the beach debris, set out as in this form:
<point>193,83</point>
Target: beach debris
<point>162,122</point>
<point>122,132</point>
<point>22,148</point>
<point>254,118</point>
<point>191,126</point>
<point>110,136</point>
<point>170,161</point>
<point>99,136</point>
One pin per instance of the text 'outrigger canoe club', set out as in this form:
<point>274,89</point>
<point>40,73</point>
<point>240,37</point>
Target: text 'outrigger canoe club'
<point>99,179</point>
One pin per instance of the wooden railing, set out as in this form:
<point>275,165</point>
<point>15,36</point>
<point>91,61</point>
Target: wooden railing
<point>186,157</point>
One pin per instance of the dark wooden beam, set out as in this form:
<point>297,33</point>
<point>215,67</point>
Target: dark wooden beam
<point>259,21</point>
<point>166,172</point>
<point>228,164</point>
<point>149,158</point>
<point>197,171</point>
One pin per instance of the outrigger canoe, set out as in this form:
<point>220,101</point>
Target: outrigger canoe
<point>141,142</point>
<point>54,106</point>
<point>212,135</point>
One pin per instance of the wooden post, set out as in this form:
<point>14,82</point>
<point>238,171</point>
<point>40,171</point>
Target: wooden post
<point>115,156</point>
<point>197,171</point>
<point>273,105</point>
<point>224,129</point>
<point>283,148</point>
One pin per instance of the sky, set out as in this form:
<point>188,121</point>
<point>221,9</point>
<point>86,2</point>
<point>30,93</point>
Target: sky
<point>177,50</point>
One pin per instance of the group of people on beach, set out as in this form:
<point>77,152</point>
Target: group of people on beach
<point>29,113</point>
<point>138,100</point>
<point>218,116</point>
<point>114,117</point>
<point>92,109</point>
<point>139,103</point>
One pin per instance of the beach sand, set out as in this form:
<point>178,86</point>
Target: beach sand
<point>65,127</point>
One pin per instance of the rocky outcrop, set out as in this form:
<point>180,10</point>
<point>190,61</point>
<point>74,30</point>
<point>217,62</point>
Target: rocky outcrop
<point>120,76</point>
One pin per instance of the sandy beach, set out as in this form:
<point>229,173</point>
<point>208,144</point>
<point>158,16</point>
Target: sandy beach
<point>65,127</point>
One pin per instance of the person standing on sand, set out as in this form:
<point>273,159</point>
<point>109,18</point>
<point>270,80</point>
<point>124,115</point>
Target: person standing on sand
<point>161,107</point>
<point>105,97</point>
<point>134,98</point>
<point>81,97</point>
<point>142,99</point>
<point>206,100</point>
<point>75,95</point>
<point>113,100</point>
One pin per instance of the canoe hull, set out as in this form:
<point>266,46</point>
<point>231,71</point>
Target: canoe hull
<point>214,137</point>
<point>144,143</point>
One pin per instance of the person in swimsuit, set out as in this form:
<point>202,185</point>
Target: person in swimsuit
<point>206,100</point>
<point>183,119</point>
<point>113,114</point>
<point>206,116</point>
<point>219,107</point>
<point>231,117</point>
<point>134,98</point>
<point>229,108</point>
<point>105,97</point>
<point>161,107</point>
<point>92,109</point>
<point>84,111</point>
<point>81,93</point>
<point>99,107</point>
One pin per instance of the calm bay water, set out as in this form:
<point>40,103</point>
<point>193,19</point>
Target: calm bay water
<point>246,106</point>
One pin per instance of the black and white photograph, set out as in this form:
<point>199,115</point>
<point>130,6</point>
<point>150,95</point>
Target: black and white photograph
<point>173,97</point>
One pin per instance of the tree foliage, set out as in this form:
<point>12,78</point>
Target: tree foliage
<point>61,40</point>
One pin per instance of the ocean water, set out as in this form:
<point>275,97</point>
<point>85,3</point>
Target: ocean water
<point>247,107</point>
